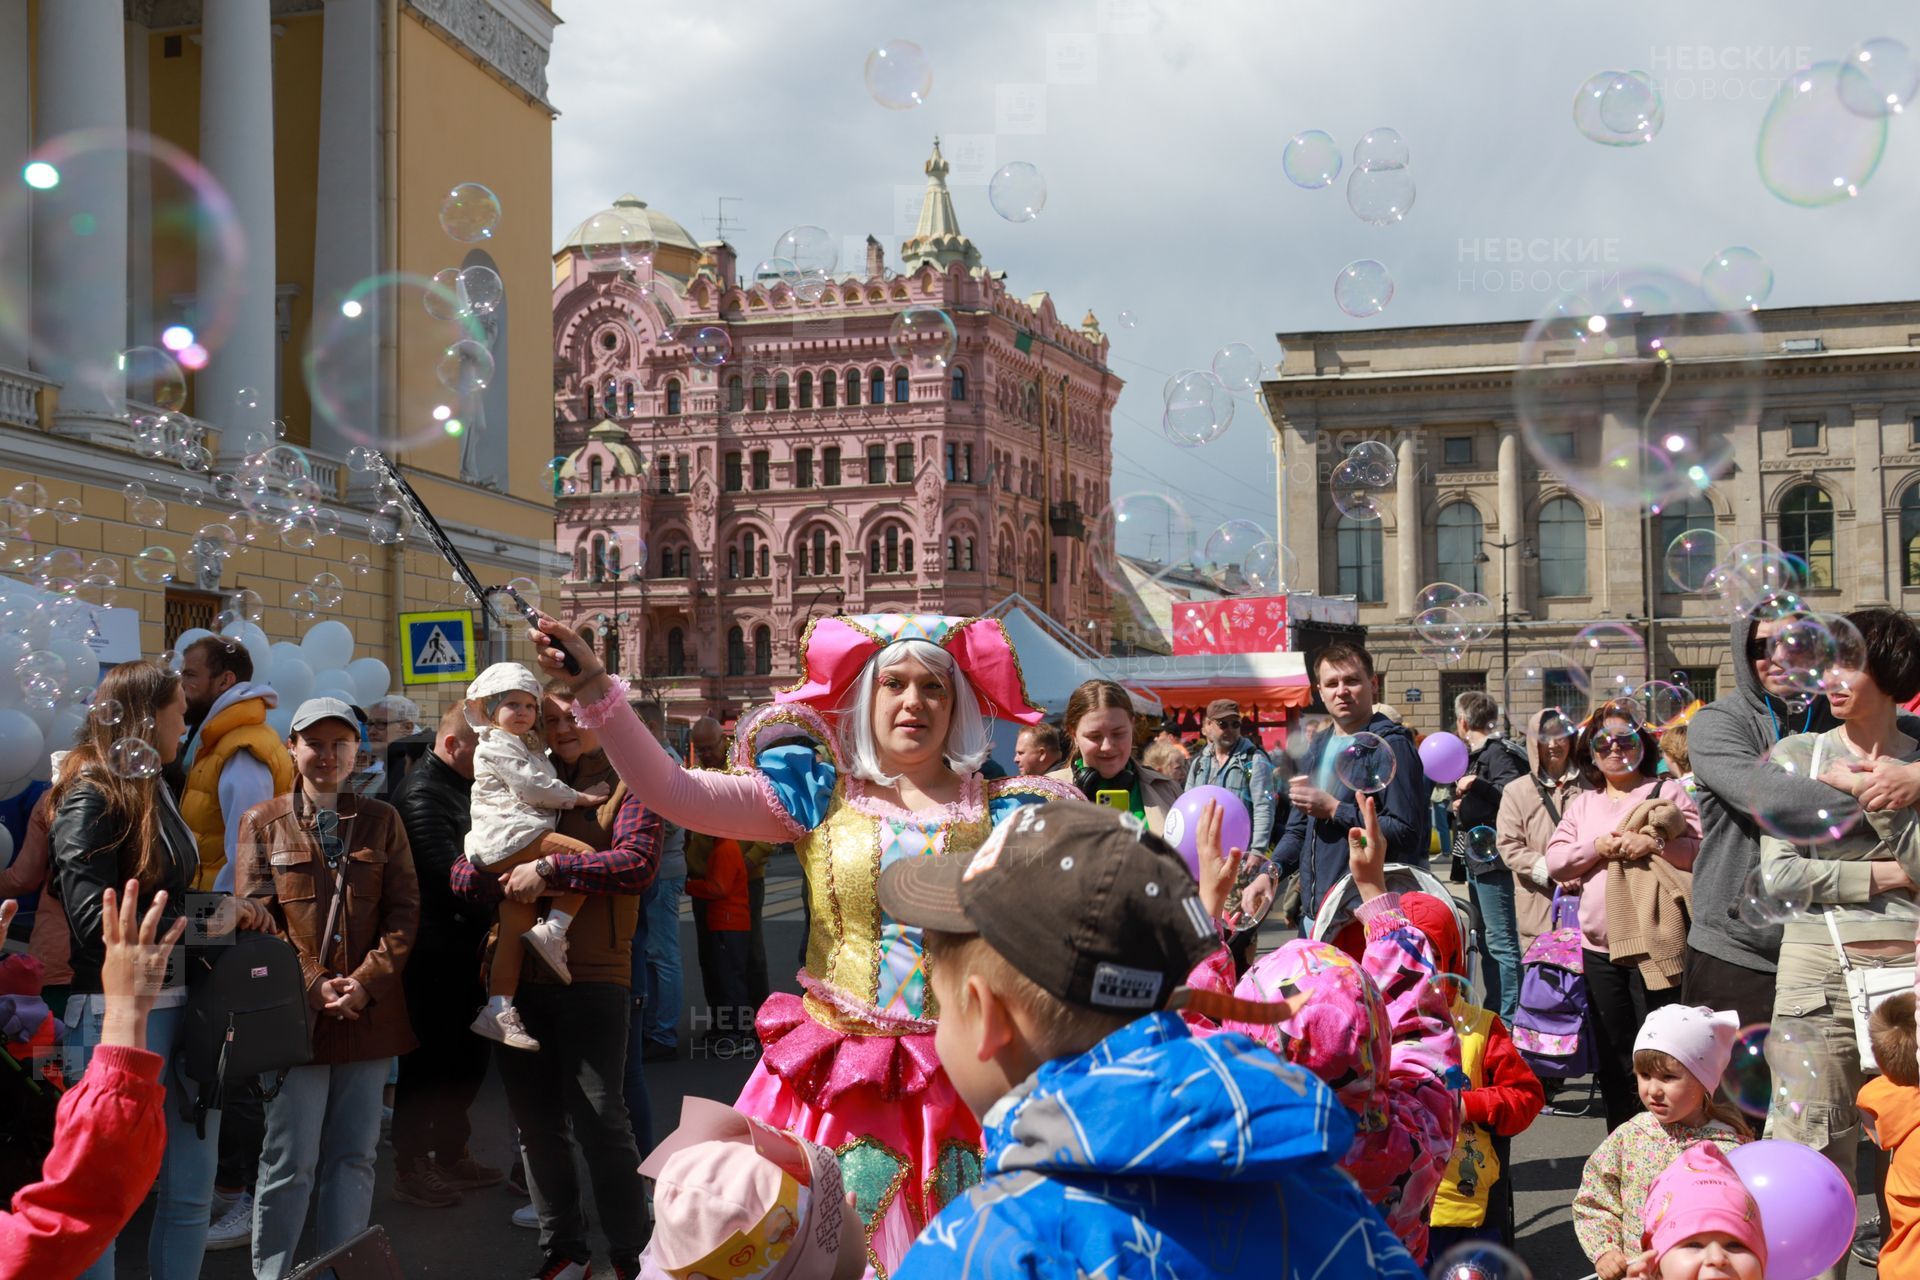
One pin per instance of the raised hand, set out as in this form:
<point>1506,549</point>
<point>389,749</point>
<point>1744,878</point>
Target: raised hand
<point>1367,851</point>
<point>1218,869</point>
<point>134,969</point>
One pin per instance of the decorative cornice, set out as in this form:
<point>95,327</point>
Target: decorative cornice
<point>486,30</point>
<point>1807,465</point>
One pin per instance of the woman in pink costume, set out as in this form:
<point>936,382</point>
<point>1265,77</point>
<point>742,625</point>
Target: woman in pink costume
<point>872,757</point>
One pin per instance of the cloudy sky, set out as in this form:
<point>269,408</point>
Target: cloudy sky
<point>1159,128</point>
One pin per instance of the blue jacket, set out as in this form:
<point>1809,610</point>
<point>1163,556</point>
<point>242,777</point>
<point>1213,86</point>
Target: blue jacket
<point>1318,847</point>
<point>1248,774</point>
<point>1157,1154</point>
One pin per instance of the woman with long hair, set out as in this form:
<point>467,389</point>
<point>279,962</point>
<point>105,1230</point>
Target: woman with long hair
<point>873,756</point>
<point>1622,757</point>
<point>114,820</point>
<point>1098,725</point>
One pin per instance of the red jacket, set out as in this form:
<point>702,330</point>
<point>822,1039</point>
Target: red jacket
<point>1512,1096</point>
<point>107,1142</point>
<point>724,888</point>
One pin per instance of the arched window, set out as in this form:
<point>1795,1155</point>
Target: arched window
<point>613,558</point>
<point>873,555</point>
<point>686,561</point>
<point>599,558</point>
<point>613,399</point>
<point>829,390</point>
<point>1458,545</point>
<point>673,397</point>
<point>1910,537</point>
<point>610,650</point>
<point>833,559</point>
<point>1563,548</point>
<point>782,397</point>
<point>853,388</point>
<point>806,391</point>
<point>763,559</point>
<point>877,386</point>
<point>629,399</point>
<point>593,475</point>
<point>733,562</point>
<point>959,391</point>
<point>906,555</point>
<point>666,562</point>
<point>902,390</point>
<point>1359,562</point>
<point>736,394</point>
<point>968,566</point>
<point>676,652</point>
<point>763,651</point>
<point>1691,567</point>
<point>953,553</point>
<point>819,550</point>
<point>759,393</point>
<point>736,652</point>
<point>1806,531</point>
<point>893,548</point>
<point>589,399</point>
<point>579,564</point>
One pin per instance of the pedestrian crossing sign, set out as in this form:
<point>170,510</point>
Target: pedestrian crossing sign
<point>436,648</point>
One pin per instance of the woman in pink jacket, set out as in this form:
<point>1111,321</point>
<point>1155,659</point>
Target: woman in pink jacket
<point>1622,755</point>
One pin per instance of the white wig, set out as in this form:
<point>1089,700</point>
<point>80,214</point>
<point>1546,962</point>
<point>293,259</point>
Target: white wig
<point>969,742</point>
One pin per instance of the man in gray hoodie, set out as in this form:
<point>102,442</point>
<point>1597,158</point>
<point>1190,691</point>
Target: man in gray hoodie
<point>1730,958</point>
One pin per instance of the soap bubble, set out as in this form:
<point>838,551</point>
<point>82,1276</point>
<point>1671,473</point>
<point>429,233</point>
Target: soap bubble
<point>328,588</point>
<point>1269,567</point>
<point>529,590</point>
<point>809,247</point>
<point>1606,660</point>
<point>106,712</point>
<point>1736,278</point>
<point>42,676</point>
<point>1797,824</point>
<point>1766,901</point>
<point>1365,764</point>
<point>152,376</point>
<point>247,604</point>
<point>1879,78</point>
<point>1380,197</point>
<point>31,495</point>
<point>1237,367</point>
<point>1665,701</point>
<point>1441,627</point>
<point>1229,544</point>
<point>1619,108</point>
<point>1381,149</point>
<point>1138,541</point>
<point>363,460</point>
<point>1623,745</point>
<point>1376,462</point>
<point>710,346</point>
<point>612,241</point>
<point>1692,557</point>
<point>1363,288</point>
<point>1748,1081</point>
<point>470,213</point>
<point>1483,848</point>
<point>1017,192</point>
<point>389,523</point>
<point>1476,614</point>
<point>304,603</point>
<point>1481,1260</point>
<point>1555,726</point>
<point>1815,651</point>
<point>133,758</point>
<point>1311,159</point>
<point>1795,1051</point>
<point>359,563</point>
<point>1198,408</point>
<point>481,291</point>
<point>898,75</point>
<point>1436,594</point>
<point>156,565</point>
<point>342,367</point>
<point>465,367</point>
<point>923,335</point>
<point>1813,150</point>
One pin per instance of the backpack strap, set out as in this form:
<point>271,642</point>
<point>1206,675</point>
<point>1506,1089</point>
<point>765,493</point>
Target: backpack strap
<point>1546,798</point>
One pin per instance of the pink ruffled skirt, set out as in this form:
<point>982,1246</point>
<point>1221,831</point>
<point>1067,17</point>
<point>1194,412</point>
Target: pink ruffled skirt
<point>907,1145</point>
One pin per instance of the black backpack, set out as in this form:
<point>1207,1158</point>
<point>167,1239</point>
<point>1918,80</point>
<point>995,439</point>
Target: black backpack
<point>246,1016</point>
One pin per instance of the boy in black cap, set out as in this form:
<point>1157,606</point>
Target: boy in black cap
<point>1056,954</point>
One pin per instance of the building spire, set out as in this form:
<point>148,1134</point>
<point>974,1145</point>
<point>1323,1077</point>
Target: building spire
<point>938,238</point>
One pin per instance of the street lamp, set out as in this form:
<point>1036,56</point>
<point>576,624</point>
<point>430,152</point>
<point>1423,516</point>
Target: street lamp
<point>1527,556</point>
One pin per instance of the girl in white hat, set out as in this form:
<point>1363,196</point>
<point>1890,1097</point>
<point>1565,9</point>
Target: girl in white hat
<point>517,799</point>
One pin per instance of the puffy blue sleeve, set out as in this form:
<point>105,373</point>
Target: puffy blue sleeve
<point>802,782</point>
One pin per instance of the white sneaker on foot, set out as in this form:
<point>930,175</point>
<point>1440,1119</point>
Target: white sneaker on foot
<point>527,1216</point>
<point>505,1026</point>
<point>234,1228</point>
<point>549,942</point>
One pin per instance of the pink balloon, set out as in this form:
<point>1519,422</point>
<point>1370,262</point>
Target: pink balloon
<point>1444,756</point>
<point>1806,1206</point>
<point>1183,823</point>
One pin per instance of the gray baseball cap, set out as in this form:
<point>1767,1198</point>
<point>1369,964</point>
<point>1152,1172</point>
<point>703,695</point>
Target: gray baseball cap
<point>314,710</point>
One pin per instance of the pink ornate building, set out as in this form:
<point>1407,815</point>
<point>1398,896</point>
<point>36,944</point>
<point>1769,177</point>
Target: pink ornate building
<point>712,511</point>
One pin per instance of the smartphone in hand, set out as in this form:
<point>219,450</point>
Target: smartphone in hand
<point>532,616</point>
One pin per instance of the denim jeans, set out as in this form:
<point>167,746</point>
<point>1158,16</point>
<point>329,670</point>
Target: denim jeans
<point>323,1126</point>
<point>1499,940</point>
<point>664,983</point>
<point>178,1241</point>
<point>634,1086</point>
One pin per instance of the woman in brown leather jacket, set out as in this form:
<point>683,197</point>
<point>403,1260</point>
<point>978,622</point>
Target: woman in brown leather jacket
<point>334,870</point>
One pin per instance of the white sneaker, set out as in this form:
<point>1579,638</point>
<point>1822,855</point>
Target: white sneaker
<point>234,1228</point>
<point>527,1216</point>
<point>505,1026</point>
<point>549,942</point>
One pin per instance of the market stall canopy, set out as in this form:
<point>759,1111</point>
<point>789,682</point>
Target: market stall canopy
<point>1257,681</point>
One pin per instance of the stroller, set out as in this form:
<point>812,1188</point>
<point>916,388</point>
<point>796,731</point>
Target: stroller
<point>1343,900</point>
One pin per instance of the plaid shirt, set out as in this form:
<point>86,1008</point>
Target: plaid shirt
<point>627,867</point>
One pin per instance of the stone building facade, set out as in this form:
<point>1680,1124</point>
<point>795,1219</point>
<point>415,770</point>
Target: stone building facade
<point>713,509</point>
<point>1829,470</point>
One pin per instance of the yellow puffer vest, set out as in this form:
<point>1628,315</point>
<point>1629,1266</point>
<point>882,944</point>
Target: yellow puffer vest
<point>1474,1168</point>
<point>241,726</point>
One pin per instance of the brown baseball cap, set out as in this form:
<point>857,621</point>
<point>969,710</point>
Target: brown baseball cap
<point>1085,901</point>
<point>1223,709</point>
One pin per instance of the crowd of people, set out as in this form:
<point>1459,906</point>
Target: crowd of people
<point>1035,1033</point>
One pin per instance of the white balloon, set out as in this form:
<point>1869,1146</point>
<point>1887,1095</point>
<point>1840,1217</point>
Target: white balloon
<point>370,677</point>
<point>328,645</point>
<point>286,649</point>
<point>259,648</point>
<point>43,772</point>
<point>335,683</point>
<point>6,847</point>
<point>42,716</point>
<point>8,790</point>
<point>83,664</point>
<point>23,746</point>
<point>293,680</point>
<point>188,637</point>
<point>68,723</point>
<point>280,719</point>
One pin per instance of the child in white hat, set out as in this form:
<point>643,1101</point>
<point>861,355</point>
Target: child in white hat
<point>517,799</point>
<point>1678,1059</point>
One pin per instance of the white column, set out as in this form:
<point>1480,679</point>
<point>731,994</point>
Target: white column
<point>16,140</point>
<point>1407,533</point>
<point>1510,519</point>
<point>1873,525</point>
<point>140,300</point>
<point>236,146</point>
<point>347,229</point>
<point>80,226</point>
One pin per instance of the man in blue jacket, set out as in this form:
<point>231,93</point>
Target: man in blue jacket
<point>1315,840</point>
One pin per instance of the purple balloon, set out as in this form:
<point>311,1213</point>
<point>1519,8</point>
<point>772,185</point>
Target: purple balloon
<point>1444,756</point>
<point>1183,823</point>
<point>1806,1206</point>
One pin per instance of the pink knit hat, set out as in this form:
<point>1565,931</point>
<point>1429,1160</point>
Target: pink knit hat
<point>1698,1193</point>
<point>735,1199</point>
<point>1700,1039</point>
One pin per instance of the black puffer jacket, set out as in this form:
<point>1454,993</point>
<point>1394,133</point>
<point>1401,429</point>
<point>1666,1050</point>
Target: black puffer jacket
<point>91,852</point>
<point>1491,766</point>
<point>433,801</point>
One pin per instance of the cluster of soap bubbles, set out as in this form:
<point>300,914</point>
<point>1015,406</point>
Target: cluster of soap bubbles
<point>803,259</point>
<point>47,671</point>
<point>392,517</point>
<point>1447,619</point>
<point>1243,558</point>
<point>1358,480</point>
<point>1826,129</point>
<point>1197,407</point>
<point>1619,108</point>
<point>1380,192</point>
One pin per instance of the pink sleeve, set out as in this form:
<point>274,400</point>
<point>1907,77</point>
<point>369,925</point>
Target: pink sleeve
<point>739,806</point>
<point>1570,854</point>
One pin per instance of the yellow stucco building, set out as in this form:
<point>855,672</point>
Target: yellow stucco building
<point>328,133</point>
